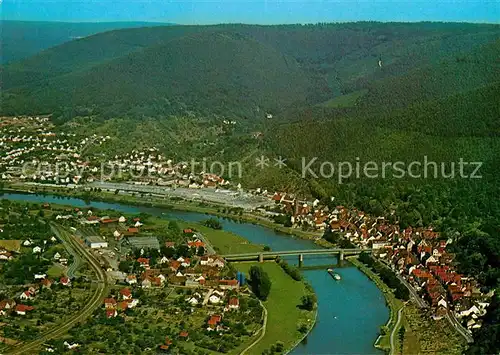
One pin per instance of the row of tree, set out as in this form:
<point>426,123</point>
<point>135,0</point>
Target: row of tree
<point>387,275</point>
<point>260,282</point>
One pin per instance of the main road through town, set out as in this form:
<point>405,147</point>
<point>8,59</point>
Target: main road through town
<point>94,302</point>
<point>422,304</point>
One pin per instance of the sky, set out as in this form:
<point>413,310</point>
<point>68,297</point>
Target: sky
<point>250,11</point>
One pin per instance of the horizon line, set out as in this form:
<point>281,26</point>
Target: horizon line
<point>253,24</point>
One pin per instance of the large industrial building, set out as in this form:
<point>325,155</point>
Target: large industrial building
<point>96,242</point>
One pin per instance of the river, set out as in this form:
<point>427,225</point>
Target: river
<point>350,311</point>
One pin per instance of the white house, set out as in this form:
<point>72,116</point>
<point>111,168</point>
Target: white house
<point>468,312</point>
<point>37,250</point>
<point>442,303</point>
<point>163,260</point>
<point>214,299</point>
<point>132,303</point>
<point>131,279</point>
<point>146,283</point>
<point>71,346</point>
<point>26,295</point>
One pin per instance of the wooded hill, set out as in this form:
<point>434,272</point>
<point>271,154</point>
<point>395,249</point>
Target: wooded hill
<point>22,39</point>
<point>226,70</point>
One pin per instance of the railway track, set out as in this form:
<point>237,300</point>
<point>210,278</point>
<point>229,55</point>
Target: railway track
<point>94,302</point>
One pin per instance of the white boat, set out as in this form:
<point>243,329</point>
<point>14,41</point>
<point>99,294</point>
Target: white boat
<point>334,274</point>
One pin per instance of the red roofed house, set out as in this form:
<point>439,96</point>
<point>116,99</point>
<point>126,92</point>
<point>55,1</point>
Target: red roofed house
<point>65,281</point>
<point>213,321</point>
<point>46,283</point>
<point>126,294</point>
<point>27,295</point>
<point>196,244</point>
<point>228,284</point>
<point>109,221</point>
<point>111,313</point>
<point>110,303</point>
<point>167,344</point>
<point>5,305</point>
<point>234,303</point>
<point>175,265</point>
<point>276,197</point>
<point>144,262</point>
<point>123,305</point>
<point>184,334</point>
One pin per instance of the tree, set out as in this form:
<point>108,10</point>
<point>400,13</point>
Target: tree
<point>279,347</point>
<point>260,282</point>
<point>401,334</point>
<point>213,223</point>
<point>331,236</point>
<point>167,251</point>
<point>308,302</point>
<point>201,251</point>
<point>183,250</point>
<point>124,266</point>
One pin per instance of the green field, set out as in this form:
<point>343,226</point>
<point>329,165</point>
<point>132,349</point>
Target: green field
<point>224,242</point>
<point>11,245</point>
<point>347,100</point>
<point>283,314</point>
<point>55,271</point>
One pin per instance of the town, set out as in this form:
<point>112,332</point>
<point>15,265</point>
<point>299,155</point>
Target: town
<point>182,276</point>
<point>138,258</point>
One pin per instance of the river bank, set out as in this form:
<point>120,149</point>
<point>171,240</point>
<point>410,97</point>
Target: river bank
<point>383,341</point>
<point>175,204</point>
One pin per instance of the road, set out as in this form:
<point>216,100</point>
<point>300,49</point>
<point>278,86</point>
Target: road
<point>449,315</point>
<point>208,246</point>
<point>94,302</point>
<point>396,326</point>
<point>77,260</point>
<point>420,302</point>
<point>459,328</point>
<point>264,326</point>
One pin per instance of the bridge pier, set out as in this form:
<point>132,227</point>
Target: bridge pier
<point>340,259</point>
<point>261,258</point>
<point>301,260</point>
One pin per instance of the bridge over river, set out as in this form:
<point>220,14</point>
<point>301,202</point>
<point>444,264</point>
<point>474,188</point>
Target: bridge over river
<point>271,255</point>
